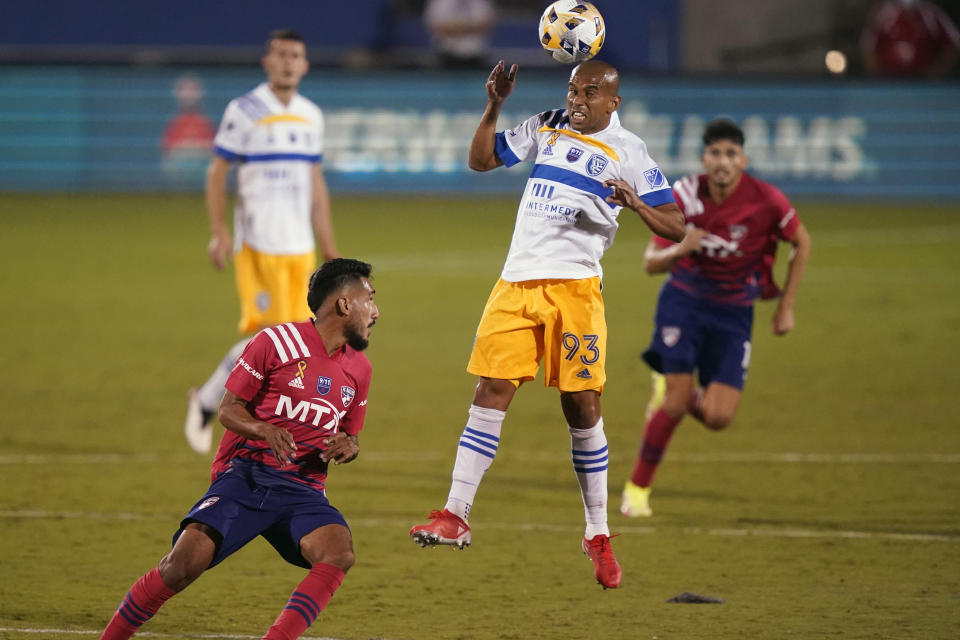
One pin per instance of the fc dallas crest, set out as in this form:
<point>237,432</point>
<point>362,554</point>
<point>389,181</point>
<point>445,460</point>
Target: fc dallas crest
<point>670,335</point>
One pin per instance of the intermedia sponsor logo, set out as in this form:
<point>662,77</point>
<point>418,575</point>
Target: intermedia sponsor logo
<point>558,209</point>
<point>246,366</point>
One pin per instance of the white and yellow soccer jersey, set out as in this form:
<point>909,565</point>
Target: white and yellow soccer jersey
<point>564,224</point>
<point>276,146</point>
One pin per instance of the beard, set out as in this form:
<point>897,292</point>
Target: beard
<point>355,340</point>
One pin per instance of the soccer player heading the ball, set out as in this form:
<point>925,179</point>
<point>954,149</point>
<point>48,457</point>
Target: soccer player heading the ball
<point>704,316</point>
<point>547,304</point>
<point>295,402</point>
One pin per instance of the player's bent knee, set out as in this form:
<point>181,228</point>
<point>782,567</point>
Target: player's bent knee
<point>717,421</point>
<point>674,407</point>
<point>179,572</point>
<point>342,559</point>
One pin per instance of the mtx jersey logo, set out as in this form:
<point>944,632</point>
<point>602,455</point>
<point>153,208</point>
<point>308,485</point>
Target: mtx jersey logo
<point>714,246</point>
<point>321,414</point>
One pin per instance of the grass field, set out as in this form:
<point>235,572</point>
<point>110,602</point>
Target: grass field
<point>831,508</point>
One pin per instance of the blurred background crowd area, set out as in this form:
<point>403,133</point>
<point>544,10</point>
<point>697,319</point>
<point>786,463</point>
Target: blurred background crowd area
<point>119,96</point>
<point>874,37</point>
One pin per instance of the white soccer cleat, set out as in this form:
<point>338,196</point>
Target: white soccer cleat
<point>635,501</point>
<point>199,434</point>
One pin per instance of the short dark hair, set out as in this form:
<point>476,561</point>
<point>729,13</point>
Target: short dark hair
<point>332,275</point>
<point>722,129</point>
<point>284,34</point>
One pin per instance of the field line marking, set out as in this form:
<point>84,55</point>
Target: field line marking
<point>787,457</point>
<point>150,634</point>
<point>399,524</point>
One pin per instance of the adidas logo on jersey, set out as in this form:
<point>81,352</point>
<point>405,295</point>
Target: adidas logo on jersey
<point>585,374</point>
<point>296,383</point>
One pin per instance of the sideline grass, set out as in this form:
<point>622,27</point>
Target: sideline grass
<point>111,312</point>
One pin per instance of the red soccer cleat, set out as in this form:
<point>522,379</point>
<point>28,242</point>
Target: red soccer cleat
<point>606,569</point>
<point>445,528</point>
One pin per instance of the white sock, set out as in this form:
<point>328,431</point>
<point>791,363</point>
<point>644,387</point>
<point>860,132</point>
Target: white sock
<point>211,393</point>
<point>478,446</point>
<point>588,447</point>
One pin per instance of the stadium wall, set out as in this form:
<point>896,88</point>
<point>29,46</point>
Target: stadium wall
<point>101,128</point>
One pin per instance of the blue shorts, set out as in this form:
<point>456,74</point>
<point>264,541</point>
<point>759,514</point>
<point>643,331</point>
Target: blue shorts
<point>250,499</point>
<point>697,334</point>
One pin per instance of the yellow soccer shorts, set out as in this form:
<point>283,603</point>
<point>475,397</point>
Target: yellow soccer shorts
<point>272,288</point>
<point>561,322</point>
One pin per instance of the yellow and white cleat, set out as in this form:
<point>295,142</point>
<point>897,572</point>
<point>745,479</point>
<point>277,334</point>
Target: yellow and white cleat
<point>635,502</point>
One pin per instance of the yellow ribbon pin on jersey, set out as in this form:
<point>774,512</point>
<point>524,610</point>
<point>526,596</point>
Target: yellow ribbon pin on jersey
<point>301,368</point>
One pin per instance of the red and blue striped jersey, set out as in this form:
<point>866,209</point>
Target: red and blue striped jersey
<point>734,264</point>
<point>287,379</point>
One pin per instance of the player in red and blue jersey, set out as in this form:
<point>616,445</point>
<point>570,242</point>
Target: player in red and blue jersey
<point>704,316</point>
<point>294,402</point>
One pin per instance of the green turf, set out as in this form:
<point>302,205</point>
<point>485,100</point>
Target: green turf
<point>111,311</point>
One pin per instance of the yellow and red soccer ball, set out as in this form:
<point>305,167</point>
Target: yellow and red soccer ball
<point>571,31</point>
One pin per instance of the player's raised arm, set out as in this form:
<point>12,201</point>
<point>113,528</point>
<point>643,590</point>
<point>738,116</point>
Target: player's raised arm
<point>665,220</point>
<point>483,156</point>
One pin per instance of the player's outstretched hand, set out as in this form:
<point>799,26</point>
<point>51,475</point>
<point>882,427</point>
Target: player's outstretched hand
<point>623,194</point>
<point>782,320</point>
<point>341,447</point>
<point>281,443</point>
<point>500,83</point>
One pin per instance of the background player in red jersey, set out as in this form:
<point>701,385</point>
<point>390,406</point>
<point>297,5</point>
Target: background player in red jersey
<point>295,401</point>
<point>704,316</point>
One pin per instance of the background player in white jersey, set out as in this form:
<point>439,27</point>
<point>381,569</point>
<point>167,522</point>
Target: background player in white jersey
<point>547,304</point>
<point>276,137</point>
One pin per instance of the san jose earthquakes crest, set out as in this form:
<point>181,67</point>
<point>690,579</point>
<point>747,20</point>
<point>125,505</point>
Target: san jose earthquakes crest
<point>596,164</point>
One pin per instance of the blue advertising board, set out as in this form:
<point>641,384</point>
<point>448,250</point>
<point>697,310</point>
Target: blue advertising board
<point>90,128</point>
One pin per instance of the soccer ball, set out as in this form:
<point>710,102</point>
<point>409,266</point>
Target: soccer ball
<point>571,31</point>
